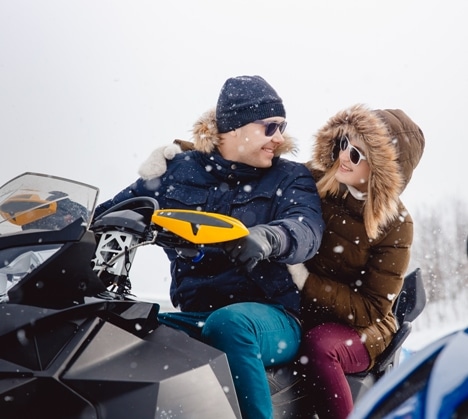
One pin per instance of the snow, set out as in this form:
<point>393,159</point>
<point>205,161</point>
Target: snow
<point>431,325</point>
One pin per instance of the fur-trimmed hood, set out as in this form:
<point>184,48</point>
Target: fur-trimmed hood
<point>395,145</point>
<point>206,136</point>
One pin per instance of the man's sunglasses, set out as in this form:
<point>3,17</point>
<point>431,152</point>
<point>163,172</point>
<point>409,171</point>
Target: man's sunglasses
<point>355,156</point>
<point>271,127</point>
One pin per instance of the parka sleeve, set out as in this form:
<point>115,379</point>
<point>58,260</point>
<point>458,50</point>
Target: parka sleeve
<point>137,188</point>
<point>370,297</point>
<point>298,210</point>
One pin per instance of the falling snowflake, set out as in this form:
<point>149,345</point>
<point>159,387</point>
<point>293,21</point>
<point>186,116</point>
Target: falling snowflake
<point>338,249</point>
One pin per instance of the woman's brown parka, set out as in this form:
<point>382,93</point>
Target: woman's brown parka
<point>365,250</point>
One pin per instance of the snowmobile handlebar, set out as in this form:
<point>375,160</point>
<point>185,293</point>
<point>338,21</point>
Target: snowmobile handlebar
<point>194,227</point>
<point>137,222</point>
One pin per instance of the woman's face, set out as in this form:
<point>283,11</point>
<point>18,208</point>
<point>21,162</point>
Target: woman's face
<point>349,173</point>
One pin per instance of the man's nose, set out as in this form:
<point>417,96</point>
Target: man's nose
<point>277,137</point>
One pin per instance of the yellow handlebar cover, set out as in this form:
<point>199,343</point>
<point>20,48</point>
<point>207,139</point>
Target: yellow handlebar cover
<point>200,227</point>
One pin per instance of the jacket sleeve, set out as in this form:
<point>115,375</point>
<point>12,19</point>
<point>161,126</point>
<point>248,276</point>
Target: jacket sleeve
<point>371,296</point>
<point>137,188</point>
<point>298,211</point>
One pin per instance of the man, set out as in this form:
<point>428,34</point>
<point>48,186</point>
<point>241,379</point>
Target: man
<point>241,298</point>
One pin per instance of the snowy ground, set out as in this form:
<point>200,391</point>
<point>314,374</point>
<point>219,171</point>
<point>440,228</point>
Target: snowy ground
<point>418,339</point>
<point>437,320</point>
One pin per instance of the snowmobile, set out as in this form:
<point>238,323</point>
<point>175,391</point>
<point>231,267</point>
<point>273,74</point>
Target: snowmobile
<point>431,383</point>
<point>76,343</point>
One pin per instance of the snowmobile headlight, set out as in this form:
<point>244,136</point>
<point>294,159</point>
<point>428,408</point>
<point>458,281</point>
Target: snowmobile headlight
<point>16,263</point>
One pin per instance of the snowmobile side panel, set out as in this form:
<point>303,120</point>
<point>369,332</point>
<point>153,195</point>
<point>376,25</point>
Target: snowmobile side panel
<point>166,371</point>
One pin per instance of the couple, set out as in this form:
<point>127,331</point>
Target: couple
<point>339,218</point>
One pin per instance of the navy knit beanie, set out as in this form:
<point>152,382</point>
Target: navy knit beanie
<point>245,99</point>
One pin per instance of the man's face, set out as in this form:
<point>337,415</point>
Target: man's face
<point>250,144</point>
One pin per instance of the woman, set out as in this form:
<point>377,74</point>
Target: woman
<point>362,161</point>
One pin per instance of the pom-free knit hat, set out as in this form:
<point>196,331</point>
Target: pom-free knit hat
<point>245,99</point>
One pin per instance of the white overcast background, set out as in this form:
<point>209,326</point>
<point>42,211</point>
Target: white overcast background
<point>88,88</point>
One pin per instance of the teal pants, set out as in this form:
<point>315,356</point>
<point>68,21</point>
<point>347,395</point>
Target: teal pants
<point>253,336</point>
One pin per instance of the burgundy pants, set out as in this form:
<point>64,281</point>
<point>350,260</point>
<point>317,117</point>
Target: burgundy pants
<point>332,350</point>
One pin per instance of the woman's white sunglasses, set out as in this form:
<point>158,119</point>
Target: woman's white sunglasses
<point>355,156</point>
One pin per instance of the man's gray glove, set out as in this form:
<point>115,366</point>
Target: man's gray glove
<point>263,242</point>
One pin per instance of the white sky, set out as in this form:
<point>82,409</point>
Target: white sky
<point>88,88</point>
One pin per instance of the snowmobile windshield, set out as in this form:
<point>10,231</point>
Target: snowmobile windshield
<point>38,215</point>
<point>42,202</point>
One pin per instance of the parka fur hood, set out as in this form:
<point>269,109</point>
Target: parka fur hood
<point>394,147</point>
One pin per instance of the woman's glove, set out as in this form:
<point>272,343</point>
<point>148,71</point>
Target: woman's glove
<point>156,165</point>
<point>263,242</point>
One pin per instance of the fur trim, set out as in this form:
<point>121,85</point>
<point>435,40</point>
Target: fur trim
<point>386,180</point>
<point>155,165</point>
<point>205,132</point>
<point>206,136</point>
<point>299,274</point>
